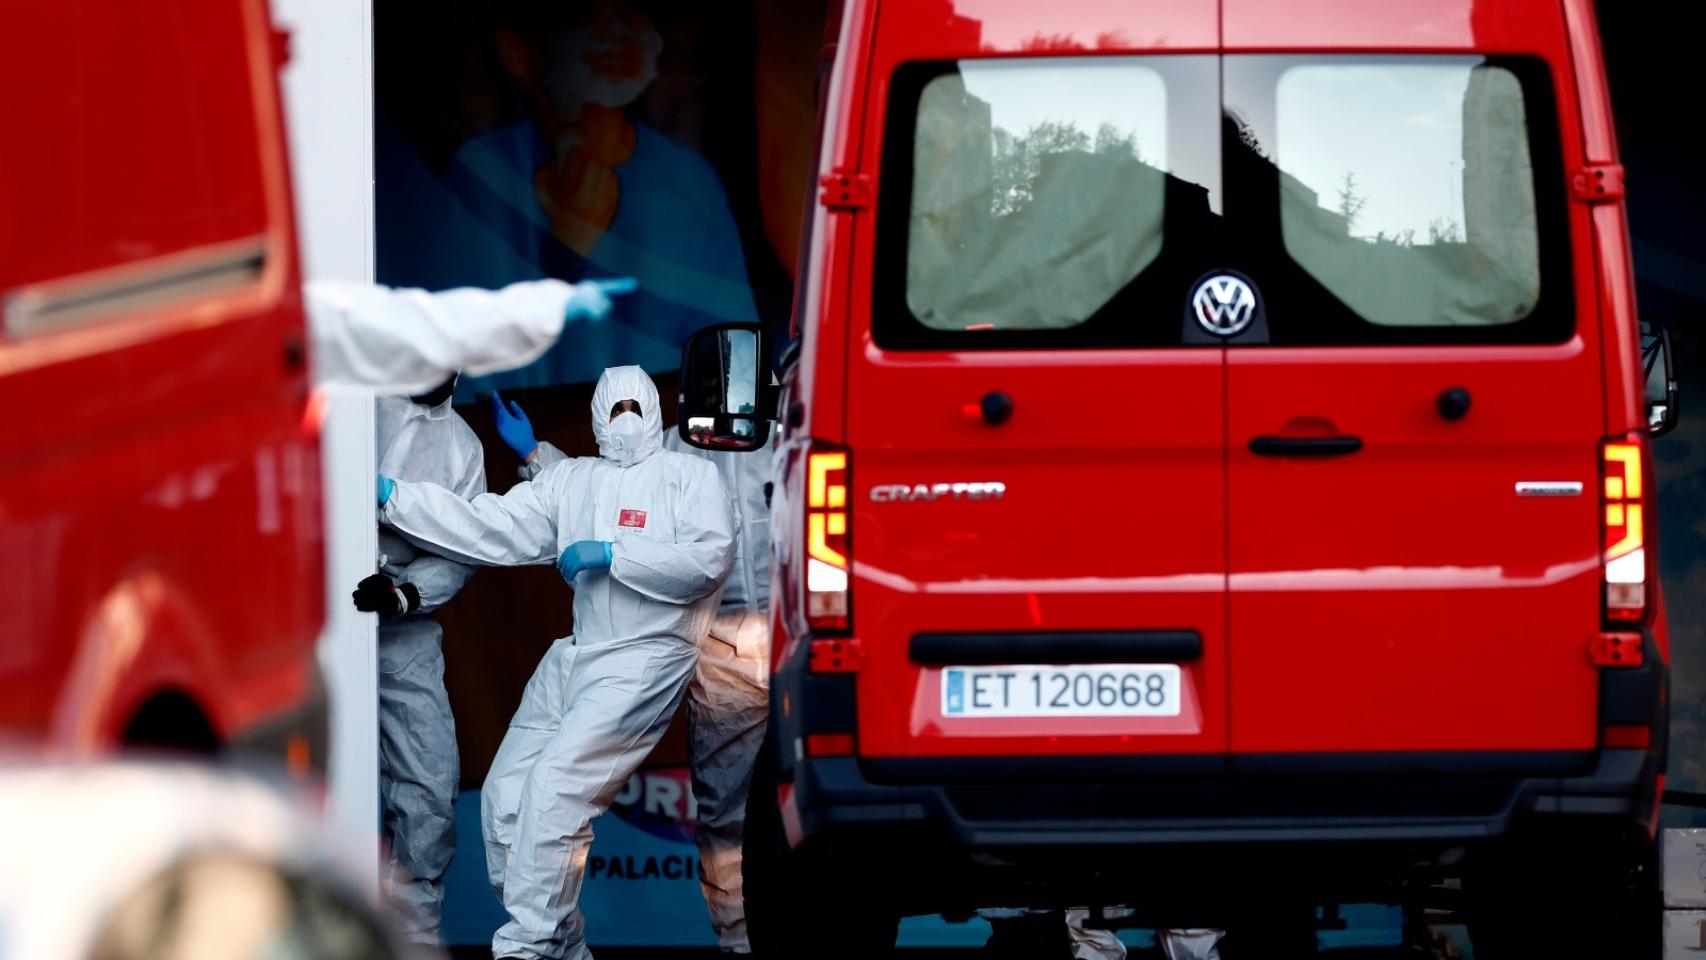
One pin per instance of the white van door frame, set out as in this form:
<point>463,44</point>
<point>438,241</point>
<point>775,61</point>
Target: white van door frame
<point>328,95</point>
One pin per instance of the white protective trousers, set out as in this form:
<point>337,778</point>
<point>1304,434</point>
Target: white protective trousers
<point>590,715</point>
<point>1089,943</point>
<point>419,773</point>
<point>1180,944</point>
<point>728,707</point>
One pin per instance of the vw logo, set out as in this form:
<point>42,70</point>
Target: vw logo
<point>1224,304</point>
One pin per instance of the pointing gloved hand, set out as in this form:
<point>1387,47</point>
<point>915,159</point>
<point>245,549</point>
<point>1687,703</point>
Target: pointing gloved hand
<point>378,594</point>
<point>591,298</point>
<point>386,485</point>
<point>584,555</point>
<point>514,428</point>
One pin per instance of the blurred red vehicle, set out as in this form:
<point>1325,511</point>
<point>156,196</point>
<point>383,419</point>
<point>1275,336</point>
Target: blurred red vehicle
<point>160,519</point>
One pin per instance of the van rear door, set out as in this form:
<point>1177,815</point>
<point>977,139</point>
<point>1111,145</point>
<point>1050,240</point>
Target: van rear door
<point>1036,456</point>
<point>1413,438</point>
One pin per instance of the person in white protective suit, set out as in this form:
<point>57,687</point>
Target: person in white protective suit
<point>419,439</point>
<point>407,341</point>
<point>728,702</point>
<point>647,538</point>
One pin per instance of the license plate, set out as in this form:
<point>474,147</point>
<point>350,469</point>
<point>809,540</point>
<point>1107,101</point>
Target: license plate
<point>1107,690</point>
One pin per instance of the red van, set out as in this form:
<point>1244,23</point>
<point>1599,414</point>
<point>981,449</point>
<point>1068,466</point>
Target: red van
<point>1216,438</point>
<point>160,525</point>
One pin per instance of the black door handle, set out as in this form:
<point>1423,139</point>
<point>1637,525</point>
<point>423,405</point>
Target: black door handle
<point>1305,446</point>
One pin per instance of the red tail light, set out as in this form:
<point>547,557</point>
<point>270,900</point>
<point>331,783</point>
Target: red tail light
<point>1627,736</point>
<point>313,415</point>
<point>828,555</point>
<point>829,744</point>
<point>1625,559</point>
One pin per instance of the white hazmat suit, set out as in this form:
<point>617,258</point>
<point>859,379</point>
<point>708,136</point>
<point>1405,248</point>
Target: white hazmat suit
<point>419,771</point>
<point>601,698</point>
<point>728,702</point>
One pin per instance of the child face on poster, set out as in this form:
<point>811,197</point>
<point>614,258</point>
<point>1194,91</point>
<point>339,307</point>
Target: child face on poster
<point>581,72</point>
<point>607,61</point>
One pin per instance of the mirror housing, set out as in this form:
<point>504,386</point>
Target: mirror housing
<point>727,399</point>
<point>1660,380</point>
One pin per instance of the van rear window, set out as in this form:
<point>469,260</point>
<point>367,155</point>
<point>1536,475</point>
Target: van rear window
<point>1407,190</point>
<point>1077,201</point>
<point>1418,199</point>
<point>1024,199</point>
<point>1035,194</point>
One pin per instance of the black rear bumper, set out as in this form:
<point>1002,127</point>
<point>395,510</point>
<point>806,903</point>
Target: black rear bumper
<point>1052,811</point>
<point>983,805</point>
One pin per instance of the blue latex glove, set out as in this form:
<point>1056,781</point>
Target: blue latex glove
<point>584,555</point>
<point>514,428</point>
<point>386,485</point>
<point>591,298</point>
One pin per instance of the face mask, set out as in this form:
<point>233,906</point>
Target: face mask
<point>572,79</point>
<point>627,437</point>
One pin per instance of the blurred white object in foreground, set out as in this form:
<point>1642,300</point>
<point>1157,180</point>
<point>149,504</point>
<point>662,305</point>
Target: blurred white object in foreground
<point>174,862</point>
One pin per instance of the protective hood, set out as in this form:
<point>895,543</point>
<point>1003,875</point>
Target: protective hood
<point>614,386</point>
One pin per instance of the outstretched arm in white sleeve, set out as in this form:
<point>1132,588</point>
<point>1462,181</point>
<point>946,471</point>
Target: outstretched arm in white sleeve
<point>511,530</point>
<point>408,341</point>
<point>438,579</point>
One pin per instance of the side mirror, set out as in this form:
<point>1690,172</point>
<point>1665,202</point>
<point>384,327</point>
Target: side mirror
<point>727,401</point>
<point>1661,382</point>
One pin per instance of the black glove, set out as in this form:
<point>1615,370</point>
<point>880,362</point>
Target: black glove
<point>377,594</point>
